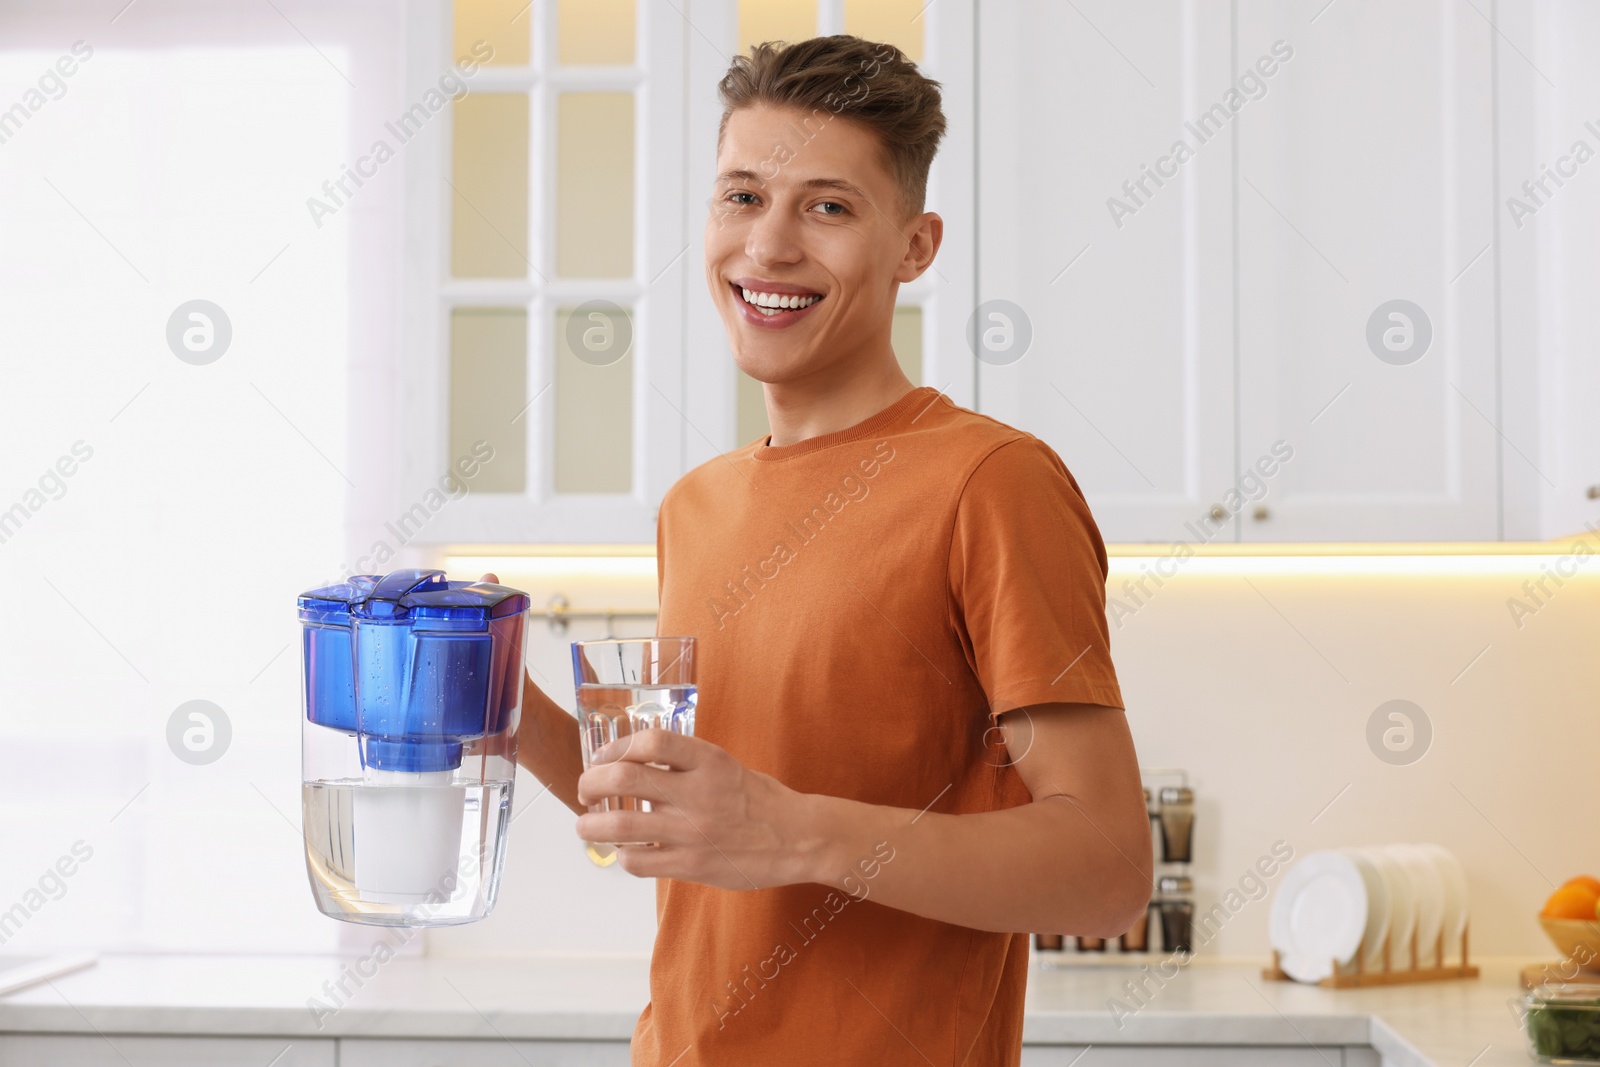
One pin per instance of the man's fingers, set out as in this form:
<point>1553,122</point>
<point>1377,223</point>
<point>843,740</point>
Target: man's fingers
<point>622,779</point>
<point>652,827</point>
<point>492,578</point>
<point>649,862</point>
<point>678,751</point>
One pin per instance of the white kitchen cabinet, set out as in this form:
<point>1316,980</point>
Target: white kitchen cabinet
<point>1355,191</point>
<point>1550,369</point>
<point>1199,218</point>
<point>1127,292</point>
<point>419,1053</point>
<point>1189,1056</point>
<point>545,274</point>
<point>1174,233</point>
<point>561,180</point>
<point>140,1050</point>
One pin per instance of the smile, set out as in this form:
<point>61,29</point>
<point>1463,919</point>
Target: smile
<point>772,303</point>
<point>774,309</point>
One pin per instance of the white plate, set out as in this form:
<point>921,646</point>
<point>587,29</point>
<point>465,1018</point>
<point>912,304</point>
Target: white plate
<point>1402,905</point>
<point>1402,912</point>
<point>1318,915</point>
<point>1427,887</point>
<point>1377,904</point>
<point>1455,895</point>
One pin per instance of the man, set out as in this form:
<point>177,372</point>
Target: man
<point>911,745</point>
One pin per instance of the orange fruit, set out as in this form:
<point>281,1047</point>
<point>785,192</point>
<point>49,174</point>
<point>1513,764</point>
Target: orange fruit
<point>1575,900</point>
<point>1586,880</point>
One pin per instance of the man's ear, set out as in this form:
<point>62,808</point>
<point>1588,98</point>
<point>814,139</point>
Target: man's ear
<point>923,235</point>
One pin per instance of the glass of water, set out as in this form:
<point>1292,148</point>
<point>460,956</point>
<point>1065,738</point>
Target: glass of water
<point>628,685</point>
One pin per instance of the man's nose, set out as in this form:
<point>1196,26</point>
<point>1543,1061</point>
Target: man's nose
<point>774,238</point>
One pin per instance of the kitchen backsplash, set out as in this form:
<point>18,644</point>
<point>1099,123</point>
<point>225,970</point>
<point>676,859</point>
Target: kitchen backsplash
<point>1264,677</point>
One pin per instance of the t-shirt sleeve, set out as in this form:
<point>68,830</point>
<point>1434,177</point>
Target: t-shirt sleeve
<point>1028,583</point>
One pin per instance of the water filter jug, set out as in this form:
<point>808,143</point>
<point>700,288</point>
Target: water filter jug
<point>413,691</point>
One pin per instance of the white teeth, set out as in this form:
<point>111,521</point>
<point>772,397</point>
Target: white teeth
<point>776,301</point>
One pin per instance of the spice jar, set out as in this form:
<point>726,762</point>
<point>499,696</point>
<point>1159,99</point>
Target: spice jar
<point>1175,901</point>
<point>1176,815</point>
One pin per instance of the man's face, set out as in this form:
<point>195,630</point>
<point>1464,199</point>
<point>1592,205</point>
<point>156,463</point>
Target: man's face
<point>805,211</point>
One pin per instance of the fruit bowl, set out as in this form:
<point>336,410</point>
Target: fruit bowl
<point>1577,939</point>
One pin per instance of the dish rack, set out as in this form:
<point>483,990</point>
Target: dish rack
<point>1354,974</point>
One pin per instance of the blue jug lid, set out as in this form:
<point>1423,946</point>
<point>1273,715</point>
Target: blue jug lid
<point>408,594</point>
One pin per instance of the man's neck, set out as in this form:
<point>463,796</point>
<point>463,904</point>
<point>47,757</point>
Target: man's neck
<point>799,411</point>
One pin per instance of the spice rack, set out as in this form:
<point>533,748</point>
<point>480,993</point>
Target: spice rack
<point>1169,802</point>
<point>1354,974</point>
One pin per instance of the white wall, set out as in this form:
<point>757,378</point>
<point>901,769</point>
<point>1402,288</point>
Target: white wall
<point>1243,685</point>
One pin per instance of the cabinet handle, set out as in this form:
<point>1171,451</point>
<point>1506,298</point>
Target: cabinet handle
<point>1261,514</point>
<point>1594,492</point>
<point>1218,512</point>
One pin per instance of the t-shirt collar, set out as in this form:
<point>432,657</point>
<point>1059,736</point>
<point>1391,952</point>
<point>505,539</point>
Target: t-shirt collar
<point>903,411</point>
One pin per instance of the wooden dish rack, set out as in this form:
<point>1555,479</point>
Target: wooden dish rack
<point>1354,974</point>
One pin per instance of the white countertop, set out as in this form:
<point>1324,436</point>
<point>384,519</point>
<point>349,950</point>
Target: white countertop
<point>1438,1024</point>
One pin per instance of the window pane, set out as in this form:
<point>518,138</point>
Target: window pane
<point>905,337</point>
<point>501,24</point>
<point>776,20</point>
<point>595,32</point>
<point>489,201</point>
<point>488,383</point>
<point>750,417</point>
<point>594,185</point>
<point>594,399</point>
<point>896,22</point>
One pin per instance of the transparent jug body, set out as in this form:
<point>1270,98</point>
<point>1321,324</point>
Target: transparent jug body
<point>409,752</point>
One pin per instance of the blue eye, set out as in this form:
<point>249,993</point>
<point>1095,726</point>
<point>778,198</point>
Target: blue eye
<point>742,203</point>
<point>830,203</point>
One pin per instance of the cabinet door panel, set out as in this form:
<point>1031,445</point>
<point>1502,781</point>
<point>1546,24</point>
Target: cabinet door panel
<point>363,1053</point>
<point>1177,1056</point>
<point>1127,288</point>
<point>1550,320</point>
<point>143,1050</point>
<point>1365,178</point>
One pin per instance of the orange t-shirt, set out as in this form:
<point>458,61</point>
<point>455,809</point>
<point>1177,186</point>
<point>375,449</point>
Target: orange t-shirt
<point>864,602</point>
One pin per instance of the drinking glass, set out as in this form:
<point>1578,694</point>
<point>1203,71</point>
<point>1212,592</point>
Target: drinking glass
<point>632,684</point>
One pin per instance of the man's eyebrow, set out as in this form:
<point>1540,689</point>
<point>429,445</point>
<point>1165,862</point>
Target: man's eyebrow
<point>751,177</point>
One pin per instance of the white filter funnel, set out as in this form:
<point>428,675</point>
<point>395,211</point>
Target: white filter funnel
<point>408,836</point>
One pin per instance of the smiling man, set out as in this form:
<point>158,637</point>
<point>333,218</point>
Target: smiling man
<point>912,748</point>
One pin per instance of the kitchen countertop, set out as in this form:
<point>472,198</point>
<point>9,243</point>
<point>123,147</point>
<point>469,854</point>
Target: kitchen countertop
<point>1436,1024</point>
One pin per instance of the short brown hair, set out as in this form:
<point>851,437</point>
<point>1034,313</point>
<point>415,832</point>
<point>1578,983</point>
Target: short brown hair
<point>871,83</point>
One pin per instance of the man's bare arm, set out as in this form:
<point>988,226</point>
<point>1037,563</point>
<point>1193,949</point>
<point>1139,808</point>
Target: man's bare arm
<point>1076,860</point>
<point>547,744</point>
<point>547,740</point>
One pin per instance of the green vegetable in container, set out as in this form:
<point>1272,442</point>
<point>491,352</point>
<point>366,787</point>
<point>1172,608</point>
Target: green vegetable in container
<point>1568,1028</point>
